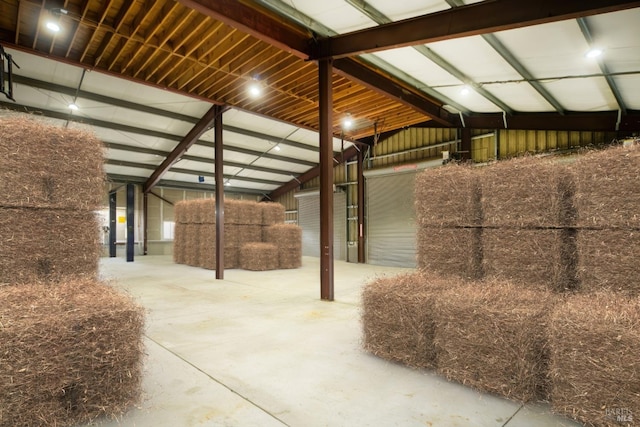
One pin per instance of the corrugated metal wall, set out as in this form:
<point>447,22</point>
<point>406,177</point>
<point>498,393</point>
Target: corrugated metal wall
<point>309,221</point>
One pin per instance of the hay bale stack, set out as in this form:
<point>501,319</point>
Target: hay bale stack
<point>179,243</point>
<point>530,257</point>
<point>208,211</point>
<point>608,188</point>
<point>526,192</point>
<point>492,337</point>
<point>609,260</point>
<point>250,213</point>
<point>43,166</point>
<point>594,346</point>
<point>232,211</point>
<point>70,353</point>
<point>192,244</point>
<point>180,212</point>
<point>249,234</point>
<point>397,318</point>
<point>450,251</point>
<point>47,244</point>
<point>448,197</point>
<point>288,239</point>
<point>258,256</point>
<point>207,248</point>
<point>272,213</point>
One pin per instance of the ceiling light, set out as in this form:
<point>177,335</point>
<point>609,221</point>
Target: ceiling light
<point>73,106</point>
<point>53,26</point>
<point>277,148</point>
<point>465,90</point>
<point>594,53</point>
<point>255,88</point>
<point>227,184</point>
<point>347,122</point>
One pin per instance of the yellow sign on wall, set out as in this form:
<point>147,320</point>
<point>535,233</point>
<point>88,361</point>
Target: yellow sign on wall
<point>122,220</point>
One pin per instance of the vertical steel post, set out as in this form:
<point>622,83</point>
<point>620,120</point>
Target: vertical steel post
<point>361,240</point>
<point>130,221</point>
<point>219,178</point>
<point>145,228</point>
<point>326,178</point>
<point>465,145</point>
<point>113,223</point>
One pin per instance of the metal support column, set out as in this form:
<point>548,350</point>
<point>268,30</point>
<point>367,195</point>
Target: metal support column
<point>145,218</point>
<point>326,179</point>
<point>361,258</point>
<point>112,224</point>
<point>219,178</point>
<point>130,221</point>
<point>465,145</point>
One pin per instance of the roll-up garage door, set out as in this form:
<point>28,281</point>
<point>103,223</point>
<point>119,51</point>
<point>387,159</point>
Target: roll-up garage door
<point>309,221</point>
<point>391,230</point>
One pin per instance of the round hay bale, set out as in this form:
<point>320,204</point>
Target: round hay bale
<point>527,192</point>
<point>608,188</point>
<point>47,166</point>
<point>258,257</point>
<point>397,318</point>
<point>70,353</point>
<point>450,251</point>
<point>272,213</point>
<point>594,366</point>
<point>491,336</point>
<point>47,244</point>
<point>448,196</point>
<point>283,235</point>
<point>608,260</point>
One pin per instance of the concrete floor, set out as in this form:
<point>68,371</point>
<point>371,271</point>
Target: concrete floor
<point>262,349</point>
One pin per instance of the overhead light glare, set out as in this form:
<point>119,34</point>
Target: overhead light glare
<point>53,26</point>
<point>73,106</point>
<point>594,53</point>
<point>347,122</point>
<point>227,184</point>
<point>277,148</point>
<point>255,88</point>
<point>465,90</point>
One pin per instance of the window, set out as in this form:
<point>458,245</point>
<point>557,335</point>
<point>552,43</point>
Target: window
<point>167,230</point>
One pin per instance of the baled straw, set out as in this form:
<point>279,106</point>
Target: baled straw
<point>594,364</point>
<point>258,257</point>
<point>527,192</point>
<point>179,243</point>
<point>491,337</point>
<point>448,196</point>
<point>609,260</point>
<point>47,244</point>
<point>48,166</point>
<point>207,249</point>
<point>608,188</point>
<point>397,318</point>
<point>450,251</point>
<point>272,213</point>
<point>70,353</point>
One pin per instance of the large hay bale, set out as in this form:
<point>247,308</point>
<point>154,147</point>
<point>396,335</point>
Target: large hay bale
<point>251,213</point>
<point>192,245</point>
<point>208,211</point>
<point>231,256</point>
<point>47,244</point>
<point>272,213</point>
<point>527,192</point>
<point>609,260</point>
<point>70,353</point>
<point>179,243</point>
<point>207,249</point>
<point>397,318</point>
<point>450,251</point>
<point>594,346</point>
<point>608,188</point>
<point>249,234</point>
<point>258,257</point>
<point>530,257</point>
<point>283,235</point>
<point>289,258</point>
<point>233,211</point>
<point>49,167</point>
<point>491,336</point>
<point>448,196</point>
<point>180,212</point>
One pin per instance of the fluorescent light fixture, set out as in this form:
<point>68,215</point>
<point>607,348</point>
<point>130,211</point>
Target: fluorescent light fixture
<point>73,106</point>
<point>594,53</point>
<point>53,26</point>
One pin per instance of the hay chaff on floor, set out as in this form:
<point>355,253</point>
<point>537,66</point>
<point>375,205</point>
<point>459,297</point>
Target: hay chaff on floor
<point>69,353</point>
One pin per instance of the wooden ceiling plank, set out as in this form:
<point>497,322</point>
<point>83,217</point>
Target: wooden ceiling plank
<point>123,14</point>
